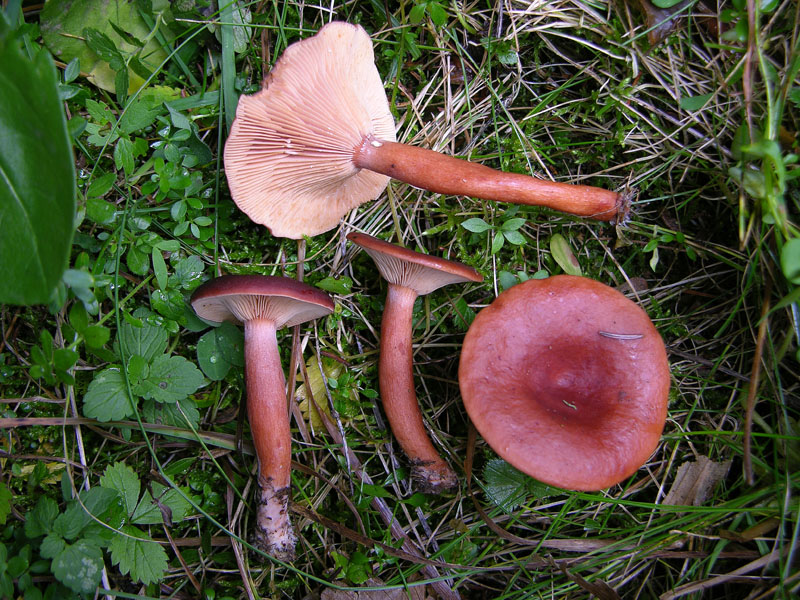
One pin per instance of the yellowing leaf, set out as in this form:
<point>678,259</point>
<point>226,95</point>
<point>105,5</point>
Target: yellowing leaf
<point>316,383</point>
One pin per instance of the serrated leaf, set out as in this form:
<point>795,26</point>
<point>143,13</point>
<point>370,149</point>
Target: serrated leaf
<point>476,225</point>
<point>135,553</point>
<point>188,273</point>
<point>138,115</point>
<point>37,212</point>
<point>505,486</point>
<point>171,378</point>
<point>106,399</point>
<point>123,155</point>
<point>5,502</point>
<point>168,303</point>
<point>39,521</point>
<point>79,566</point>
<point>176,414</point>
<point>148,341</point>
<point>123,479</point>
<point>147,512</point>
<point>52,545</point>
<point>562,253</point>
<point>174,500</point>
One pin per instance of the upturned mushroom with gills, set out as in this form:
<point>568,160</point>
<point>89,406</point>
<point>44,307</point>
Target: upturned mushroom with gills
<point>264,305</point>
<point>567,380</point>
<point>409,274</point>
<point>319,139</point>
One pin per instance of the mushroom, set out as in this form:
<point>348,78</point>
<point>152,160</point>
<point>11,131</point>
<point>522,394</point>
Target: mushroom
<point>409,274</point>
<point>319,140</point>
<point>265,304</point>
<point>567,380</point>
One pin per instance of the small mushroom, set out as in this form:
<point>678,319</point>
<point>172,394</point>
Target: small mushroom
<point>319,140</point>
<point>409,274</point>
<point>567,380</point>
<point>264,305</point>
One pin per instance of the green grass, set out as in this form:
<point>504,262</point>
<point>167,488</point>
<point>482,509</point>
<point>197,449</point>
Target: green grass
<point>571,91</point>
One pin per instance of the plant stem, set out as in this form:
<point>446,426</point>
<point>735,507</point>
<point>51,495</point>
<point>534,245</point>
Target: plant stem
<point>436,172</point>
<point>269,424</point>
<point>396,373</point>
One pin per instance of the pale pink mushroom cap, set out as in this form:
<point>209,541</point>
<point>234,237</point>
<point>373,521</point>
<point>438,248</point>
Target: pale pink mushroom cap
<point>420,272</point>
<point>567,380</point>
<point>289,157</point>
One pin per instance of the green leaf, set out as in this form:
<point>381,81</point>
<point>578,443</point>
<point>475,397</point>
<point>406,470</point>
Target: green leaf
<point>693,103</point>
<point>342,285</point>
<point>790,260</point>
<point>498,241</point>
<point>147,511</point>
<point>172,378</point>
<point>5,502</point>
<point>123,155</point>
<point>106,399</point>
<point>666,3</point>
<point>123,479</point>
<point>505,485</point>
<point>96,336</point>
<point>230,340</point>
<point>512,225</point>
<point>148,341</point>
<point>210,357</point>
<point>506,279</point>
<point>79,566</point>
<point>188,273</point>
<point>562,253</point>
<point>159,268</point>
<point>72,70</point>
<point>138,115</point>
<point>52,545</point>
<point>36,211</point>
<point>180,414</point>
<point>179,506</point>
<point>39,521</point>
<point>515,237</point>
<point>476,225</point>
<point>135,553</point>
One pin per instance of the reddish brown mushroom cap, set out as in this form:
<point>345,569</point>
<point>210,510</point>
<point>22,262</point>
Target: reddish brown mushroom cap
<point>241,298</point>
<point>420,272</point>
<point>289,157</point>
<point>567,380</point>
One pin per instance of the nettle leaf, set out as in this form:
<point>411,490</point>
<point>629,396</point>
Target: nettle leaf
<point>151,511</point>
<point>123,479</point>
<point>171,378</point>
<point>107,397</point>
<point>148,341</point>
<point>36,212</point>
<point>176,414</point>
<point>505,485</point>
<point>79,566</point>
<point>174,500</point>
<point>136,553</point>
<point>39,521</point>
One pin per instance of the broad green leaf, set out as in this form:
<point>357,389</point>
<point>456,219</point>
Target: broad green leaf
<point>512,224</point>
<point>123,479</point>
<point>52,545</point>
<point>693,103</point>
<point>476,225</point>
<point>138,115</point>
<point>188,273</point>
<point>179,414</point>
<point>230,340</point>
<point>174,500</point>
<point>64,23</point>
<point>107,397</point>
<point>171,378</point>
<point>148,341</point>
<point>96,336</point>
<point>341,285</point>
<point>507,279</point>
<point>39,521</point>
<point>562,253</point>
<point>5,502</point>
<point>790,260</point>
<point>210,357</point>
<point>505,485</point>
<point>36,211</point>
<point>135,553</point>
<point>79,566</point>
<point>147,512</point>
<point>101,185</point>
<point>498,242</point>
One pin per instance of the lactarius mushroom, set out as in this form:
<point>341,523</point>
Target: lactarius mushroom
<point>319,139</point>
<point>264,305</point>
<point>567,380</point>
<point>409,274</point>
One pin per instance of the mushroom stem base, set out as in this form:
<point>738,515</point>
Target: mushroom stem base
<point>274,534</point>
<point>433,477</point>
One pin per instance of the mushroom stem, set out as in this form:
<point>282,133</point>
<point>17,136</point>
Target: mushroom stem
<point>436,172</point>
<point>396,374</point>
<point>269,424</point>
